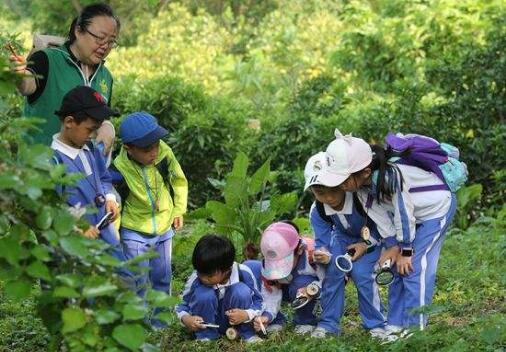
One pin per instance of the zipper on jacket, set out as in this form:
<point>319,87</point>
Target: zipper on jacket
<point>151,199</point>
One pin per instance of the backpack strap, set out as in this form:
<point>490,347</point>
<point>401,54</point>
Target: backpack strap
<point>321,211</point>
<point>121,186</point>
<point>163,169</point>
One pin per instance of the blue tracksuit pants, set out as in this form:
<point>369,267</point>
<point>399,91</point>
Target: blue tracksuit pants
<point>407,294</point>
<point>362,274</point>
<point>160,272</point>
<point>206,304</point>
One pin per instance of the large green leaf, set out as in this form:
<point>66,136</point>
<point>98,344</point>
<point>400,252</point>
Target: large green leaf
<point>73,318</point>
<point>131,336</point>
<point>240,168</point>
<point>9,181</point>
<point>65,292</point>
<point>72,280</point>
<point>134,311</point>
<point>161,299</point>
<point>11,250</point>
<point>41,252</point>
<point>18,289</point>
<point>284,203</point>
<point>44,218</point>
<point>259,178</point>
<point>74,245</point>
<point>105,316</point>
<point>63,222</point>
<point>103,289</point>
<point>38,270</point>
<point>236,191</point>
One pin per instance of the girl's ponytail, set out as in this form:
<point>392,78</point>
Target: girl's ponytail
<point>388,173</point>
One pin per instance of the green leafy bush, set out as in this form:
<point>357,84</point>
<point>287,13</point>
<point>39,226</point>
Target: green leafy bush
<point>248,205</point>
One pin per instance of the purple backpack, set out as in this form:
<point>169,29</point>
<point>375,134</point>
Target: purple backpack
<point>428,154</point>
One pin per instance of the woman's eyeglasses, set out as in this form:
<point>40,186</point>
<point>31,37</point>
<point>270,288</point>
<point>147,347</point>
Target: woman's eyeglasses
<point>102,40</point>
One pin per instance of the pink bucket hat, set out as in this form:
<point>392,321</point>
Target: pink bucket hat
<point>278,244</point>
<point>345,156</point>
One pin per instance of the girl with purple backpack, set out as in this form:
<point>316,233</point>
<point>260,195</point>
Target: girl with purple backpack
<point>412,209</point>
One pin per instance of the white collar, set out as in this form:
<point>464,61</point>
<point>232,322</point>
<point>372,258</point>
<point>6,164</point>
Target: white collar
<point>66,149</point>
<point>233,279</point>
<point>347,206</point>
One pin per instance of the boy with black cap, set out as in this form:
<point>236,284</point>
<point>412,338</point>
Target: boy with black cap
<point>82,112</point>
<point>154,194</point>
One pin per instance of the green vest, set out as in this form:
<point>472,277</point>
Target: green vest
<point>63,75</point>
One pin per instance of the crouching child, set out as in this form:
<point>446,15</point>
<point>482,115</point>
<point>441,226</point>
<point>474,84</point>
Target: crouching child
<point>220,292</point>
<point>288,275</point>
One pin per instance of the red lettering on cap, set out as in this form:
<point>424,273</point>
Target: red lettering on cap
<point>99,97</point>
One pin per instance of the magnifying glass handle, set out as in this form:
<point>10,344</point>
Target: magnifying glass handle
<point>387,264</point>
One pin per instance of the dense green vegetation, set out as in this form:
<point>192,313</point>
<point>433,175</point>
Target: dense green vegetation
<point>271,79</point>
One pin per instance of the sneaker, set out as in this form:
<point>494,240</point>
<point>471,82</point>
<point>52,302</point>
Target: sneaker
<point>203,339</point>
<point>253,339</point>
<point>392,329</point>
<point>378,333</point>
<point>274,328</point>
<point>319,333</point>
<point>389,339</point>
<point>303,329</point>
<point>397,331</point>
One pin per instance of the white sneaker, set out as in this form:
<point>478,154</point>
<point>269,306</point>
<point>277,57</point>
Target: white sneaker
<point>274,328</point>
<point>204,339</point>
<point>319,333</point>
<point>378,332</point>
<point>392,329</point>
<point>253,339</point>
<point>303,329</point>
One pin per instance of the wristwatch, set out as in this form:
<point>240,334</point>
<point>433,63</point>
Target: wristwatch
<point>370,246</point>
<point>407,251</point>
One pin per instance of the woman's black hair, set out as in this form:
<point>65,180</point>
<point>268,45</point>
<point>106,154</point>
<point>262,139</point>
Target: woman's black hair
<point>212,254</point>
<point>389,176</point>
<point>87,14</point>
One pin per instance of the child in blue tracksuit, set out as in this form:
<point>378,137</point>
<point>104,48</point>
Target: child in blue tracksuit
<point>82,112</point>
<point>337,221</point>
<point>219,291</point>
<point>417,222</point>
<point>287,271</point>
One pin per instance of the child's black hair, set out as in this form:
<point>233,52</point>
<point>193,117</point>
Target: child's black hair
<point>389,175</point>
<point>213,253</point>
<point>87,14</point>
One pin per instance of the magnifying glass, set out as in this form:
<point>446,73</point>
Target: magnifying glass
<point>231,333</point>
<point>385,275</point>
<point>301,300</point>
<point>343,262</point>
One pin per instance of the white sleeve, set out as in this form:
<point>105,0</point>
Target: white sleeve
<point>272,300</point>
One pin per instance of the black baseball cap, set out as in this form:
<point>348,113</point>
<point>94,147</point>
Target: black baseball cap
<point>83,99</point>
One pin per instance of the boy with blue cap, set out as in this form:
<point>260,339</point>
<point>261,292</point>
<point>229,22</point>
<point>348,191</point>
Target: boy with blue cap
<point>154,193</point>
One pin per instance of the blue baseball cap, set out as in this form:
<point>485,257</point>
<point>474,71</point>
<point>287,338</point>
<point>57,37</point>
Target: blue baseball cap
<point>141,129</point>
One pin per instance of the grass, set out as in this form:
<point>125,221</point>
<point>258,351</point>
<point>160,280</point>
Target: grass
<point>468,312</point>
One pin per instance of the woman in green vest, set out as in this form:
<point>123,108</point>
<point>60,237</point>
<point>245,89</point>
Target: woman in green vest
<point>52,72</point>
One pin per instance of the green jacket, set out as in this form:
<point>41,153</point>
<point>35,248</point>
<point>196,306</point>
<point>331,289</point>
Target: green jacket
<point>149,207</point>
<point>63,75</point>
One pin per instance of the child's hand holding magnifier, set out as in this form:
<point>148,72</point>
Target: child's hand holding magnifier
<point>321,256</point>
